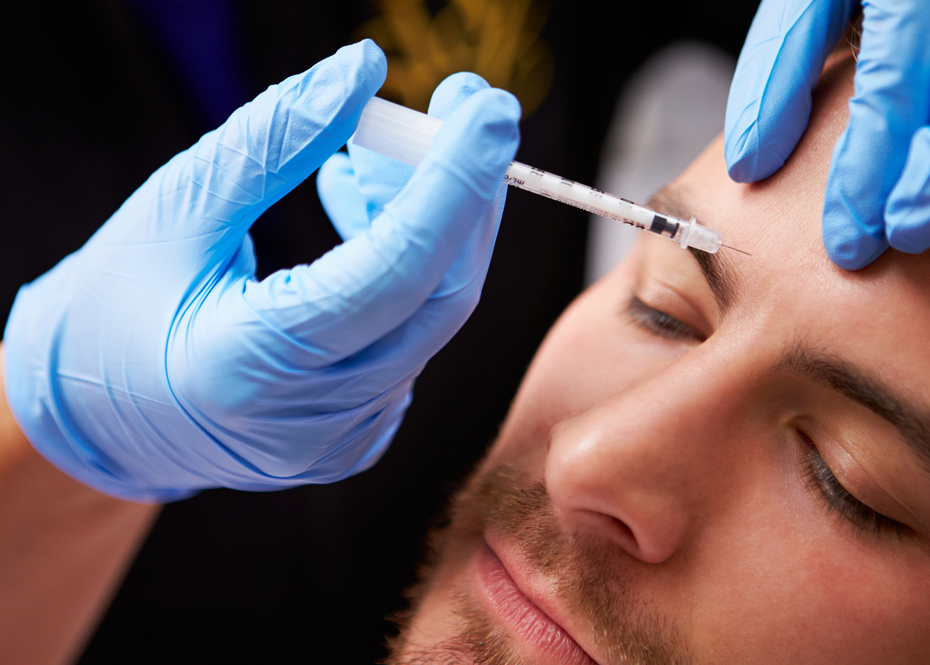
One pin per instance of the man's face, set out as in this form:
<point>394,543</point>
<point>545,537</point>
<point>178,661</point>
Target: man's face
<point>713,461</point>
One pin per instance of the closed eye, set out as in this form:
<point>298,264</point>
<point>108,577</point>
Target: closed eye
<point>839,501</point>
<point>659,323</point>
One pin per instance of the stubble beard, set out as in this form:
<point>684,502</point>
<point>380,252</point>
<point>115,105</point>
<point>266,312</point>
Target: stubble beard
<point>585,576</point>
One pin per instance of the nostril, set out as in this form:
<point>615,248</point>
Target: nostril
<point>624,529</point>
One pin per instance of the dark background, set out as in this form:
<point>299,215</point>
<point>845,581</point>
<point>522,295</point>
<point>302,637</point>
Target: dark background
<point>95,98</point>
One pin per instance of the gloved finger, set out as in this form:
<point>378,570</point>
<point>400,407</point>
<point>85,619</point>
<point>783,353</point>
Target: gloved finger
<point>471,266</point>
<point>770,96</point>
<point>452,93</point>
<point>368,286</point>
<point>338,191</point>
<point>891,102</point>
<point>381,178</point>
<point>907,215</point>
<point>223,183</point>
<point>399,356</point>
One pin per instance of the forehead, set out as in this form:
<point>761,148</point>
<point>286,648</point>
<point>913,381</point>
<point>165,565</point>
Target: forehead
<point>779,216</point>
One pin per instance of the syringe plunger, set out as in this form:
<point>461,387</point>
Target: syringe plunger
<point>395,131</point>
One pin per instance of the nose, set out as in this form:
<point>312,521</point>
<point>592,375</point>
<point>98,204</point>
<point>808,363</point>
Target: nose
<point>642,468</point>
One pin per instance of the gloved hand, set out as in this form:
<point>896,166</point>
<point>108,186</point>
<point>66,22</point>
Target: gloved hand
<point>151,363</point>
<point>878,188</point>
<point>354,189</point>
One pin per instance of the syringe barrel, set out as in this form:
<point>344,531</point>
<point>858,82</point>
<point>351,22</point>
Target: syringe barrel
<point>405,135</point>
<point>395,131</point>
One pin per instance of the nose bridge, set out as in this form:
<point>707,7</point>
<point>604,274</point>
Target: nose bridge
<point>645,464</point>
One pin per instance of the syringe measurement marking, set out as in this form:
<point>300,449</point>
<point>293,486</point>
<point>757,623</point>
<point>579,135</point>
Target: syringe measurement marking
<point>576,204</point>
<point>660,225</point>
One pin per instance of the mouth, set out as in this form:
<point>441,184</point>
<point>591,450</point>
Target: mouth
<point>539,636</point>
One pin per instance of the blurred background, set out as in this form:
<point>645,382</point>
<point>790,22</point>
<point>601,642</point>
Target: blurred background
<point>99,93</point>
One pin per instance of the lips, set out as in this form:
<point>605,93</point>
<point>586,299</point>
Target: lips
<point>537,632</point>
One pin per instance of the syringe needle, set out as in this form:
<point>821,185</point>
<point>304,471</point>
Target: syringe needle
<point>736,250</point>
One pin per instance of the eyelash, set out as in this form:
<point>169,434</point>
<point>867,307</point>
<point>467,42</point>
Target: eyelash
<point>837,498</point>
<point>820,478</point>
<point>659,323</point>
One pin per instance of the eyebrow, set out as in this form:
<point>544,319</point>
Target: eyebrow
<point>851,382</point>
<point>718,273</point>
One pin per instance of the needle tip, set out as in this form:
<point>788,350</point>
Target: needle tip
<point>736,250</point>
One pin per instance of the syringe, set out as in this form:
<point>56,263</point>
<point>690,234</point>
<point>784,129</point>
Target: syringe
<point>404,134</point>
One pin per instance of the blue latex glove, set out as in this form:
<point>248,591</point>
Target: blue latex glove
<point>151,363</point>
<point>878,189</point>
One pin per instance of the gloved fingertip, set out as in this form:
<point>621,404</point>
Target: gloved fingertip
<point>454,90</point>
<point>854,255</point>
<point>379,178</point>
<point>371,54</point>
<point>907,213</point>
<point>501,111</point>
<point>769,103</point>
<point>359,70</point>
<point>911,232</point>
<point>746,161</point>
<point>849,246</point>
<point>743,167</point>
<point>509,109</point>
<point>740,149</point>
<point>331,179</point>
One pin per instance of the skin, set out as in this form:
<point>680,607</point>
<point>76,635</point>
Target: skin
<point>670,470</point>
<point>64,548</point>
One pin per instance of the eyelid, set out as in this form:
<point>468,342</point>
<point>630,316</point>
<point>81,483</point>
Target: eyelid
<point>861,450</point>
<point>857,478</point>
<point>851,511</point>
<point>667,274</point>
<point>659,323</point>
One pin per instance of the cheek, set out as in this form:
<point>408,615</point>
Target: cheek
<point>782,579</point>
